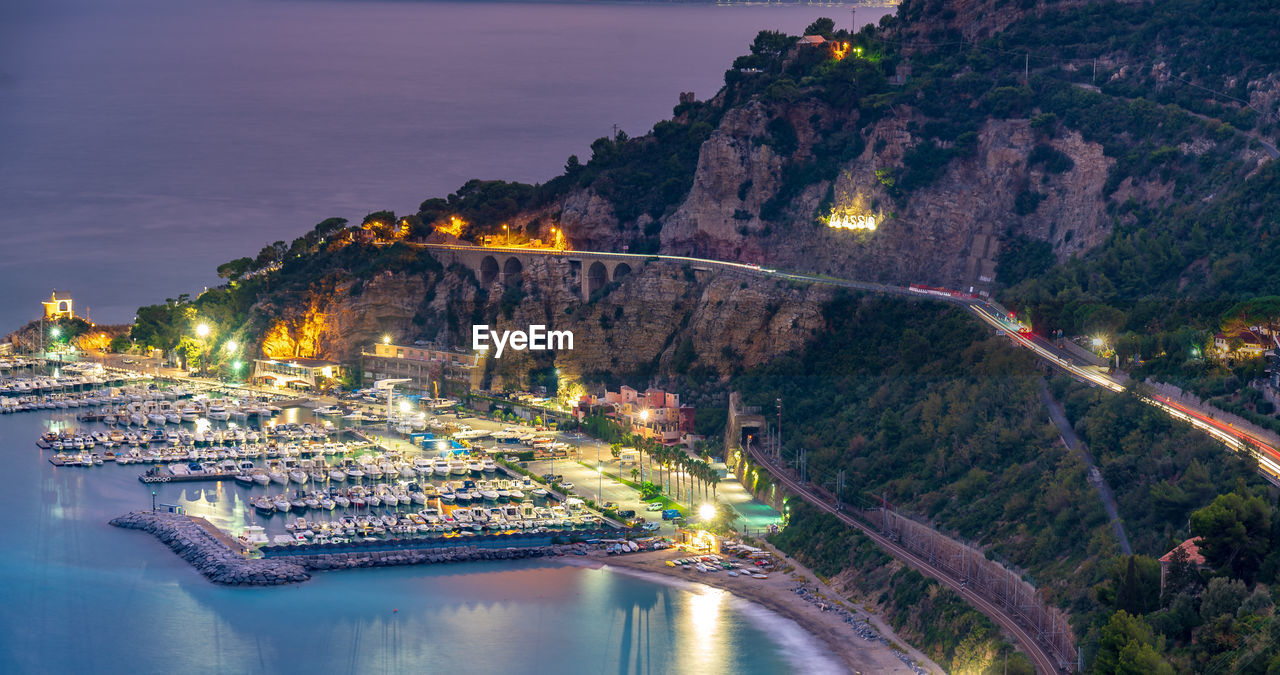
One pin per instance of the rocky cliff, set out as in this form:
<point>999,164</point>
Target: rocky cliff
<point>947,233</point>
<point>659,320</point>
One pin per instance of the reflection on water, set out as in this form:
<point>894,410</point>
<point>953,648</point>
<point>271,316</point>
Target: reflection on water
<point>131,605</point>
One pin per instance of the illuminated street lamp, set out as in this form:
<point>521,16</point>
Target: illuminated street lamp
<point>707,512</point>
<point>386,339</point>
<point>508,231</point>
<point>230,346</point>
<point>55,332</point>
<point>202,330</point>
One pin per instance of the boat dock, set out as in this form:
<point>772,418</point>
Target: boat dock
<point>222,560</point>
<point>186,478</point>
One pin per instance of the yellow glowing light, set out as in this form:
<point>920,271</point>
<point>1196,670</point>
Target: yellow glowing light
<point>451,227</point>
<point>327,372</point>
<point>404,406</point>
<point>202,330</point>
<point>848,220</point>
<point>841,49</point>
<point>386,339</point>
<point>644,415</point>
<point>230,346</point>
<point>707,511</point>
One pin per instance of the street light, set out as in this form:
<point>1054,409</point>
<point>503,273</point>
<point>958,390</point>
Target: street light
<point>202,330</point>
<point>386,339</point>
<point>508,231</point>
<point>230,346</point>
<point>707,512</point>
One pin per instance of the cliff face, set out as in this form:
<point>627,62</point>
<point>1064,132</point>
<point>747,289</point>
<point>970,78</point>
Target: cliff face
<point>659,320</point>
<point>947,233</point>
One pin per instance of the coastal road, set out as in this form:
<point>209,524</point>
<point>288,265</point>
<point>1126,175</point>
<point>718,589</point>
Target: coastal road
<point>1033,649</point>
<point>1263,449</point>
<point>1266,454</point>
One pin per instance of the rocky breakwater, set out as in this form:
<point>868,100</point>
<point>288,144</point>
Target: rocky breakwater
<point>213,556</point>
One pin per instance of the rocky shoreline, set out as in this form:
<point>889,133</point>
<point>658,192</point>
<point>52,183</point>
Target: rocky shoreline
<point>220,564</point>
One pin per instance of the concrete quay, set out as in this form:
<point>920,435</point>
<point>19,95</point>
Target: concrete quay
<point>224,560</point>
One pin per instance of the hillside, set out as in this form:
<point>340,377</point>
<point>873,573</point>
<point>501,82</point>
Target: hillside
<point>1103,167</point>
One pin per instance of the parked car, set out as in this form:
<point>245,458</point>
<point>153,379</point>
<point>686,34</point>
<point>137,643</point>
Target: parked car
<point>653,506</point>
<point>627,513</point>
<point>567,485</point>
<point>609,505</point>
<point>651,527</point>
<point>671,514</point>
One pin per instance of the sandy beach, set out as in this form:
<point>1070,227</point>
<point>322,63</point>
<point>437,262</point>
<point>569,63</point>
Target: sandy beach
<point>775,593</point>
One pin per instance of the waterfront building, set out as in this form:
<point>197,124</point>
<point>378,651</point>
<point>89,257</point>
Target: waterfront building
<point>58,306</point>
<point>296,373</point>
<point>428,368</point>
<point>653,414</point>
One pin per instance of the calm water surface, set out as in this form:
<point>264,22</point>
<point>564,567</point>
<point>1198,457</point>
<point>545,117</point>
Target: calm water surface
<point>81,596</point>
<point>144,142</point>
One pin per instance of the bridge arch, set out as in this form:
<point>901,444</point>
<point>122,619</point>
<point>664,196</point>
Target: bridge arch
<point>511,270</point>
<point>488,270</point>
<point>621,270</point>
<point>597,277</point>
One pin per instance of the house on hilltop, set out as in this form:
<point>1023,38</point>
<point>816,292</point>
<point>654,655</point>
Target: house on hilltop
<point>58,306</point>
<point>1244,343</point>
<point>1188,552</point>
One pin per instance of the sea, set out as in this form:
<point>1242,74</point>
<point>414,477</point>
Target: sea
<point>143,142</point>
<point>79,595</point>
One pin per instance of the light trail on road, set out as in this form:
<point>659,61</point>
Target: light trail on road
<point>1267,455</point>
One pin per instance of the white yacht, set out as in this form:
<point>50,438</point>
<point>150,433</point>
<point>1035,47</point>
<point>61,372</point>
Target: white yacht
<point>422,466</point>
<point>218,411</point>
<point>254,535</point>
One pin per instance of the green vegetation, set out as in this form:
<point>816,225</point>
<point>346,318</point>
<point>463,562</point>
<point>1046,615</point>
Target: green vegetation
<point>930,616</point>
<point>917,403</point>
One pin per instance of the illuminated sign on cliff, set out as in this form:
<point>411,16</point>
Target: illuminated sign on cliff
<point>849,219</point>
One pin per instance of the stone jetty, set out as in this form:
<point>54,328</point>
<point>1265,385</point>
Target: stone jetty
<point>213,557</point>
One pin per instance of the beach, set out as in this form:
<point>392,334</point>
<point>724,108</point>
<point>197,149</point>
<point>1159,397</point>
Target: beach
<point>777,595</point>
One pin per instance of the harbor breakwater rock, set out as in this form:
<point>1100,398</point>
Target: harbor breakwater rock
<point>219,563</point>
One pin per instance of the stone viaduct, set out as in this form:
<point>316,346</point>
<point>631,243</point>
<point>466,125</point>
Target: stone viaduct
<point>593,269</point>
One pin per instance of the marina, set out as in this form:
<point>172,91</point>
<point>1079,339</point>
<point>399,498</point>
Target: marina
<point>302,483</point>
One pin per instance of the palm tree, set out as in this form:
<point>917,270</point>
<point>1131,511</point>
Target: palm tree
<point>685,479</point>
<point>698,471</point>
<point>707,474</point>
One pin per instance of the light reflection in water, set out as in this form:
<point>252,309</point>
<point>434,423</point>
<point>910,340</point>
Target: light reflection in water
<point>698,639</point>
